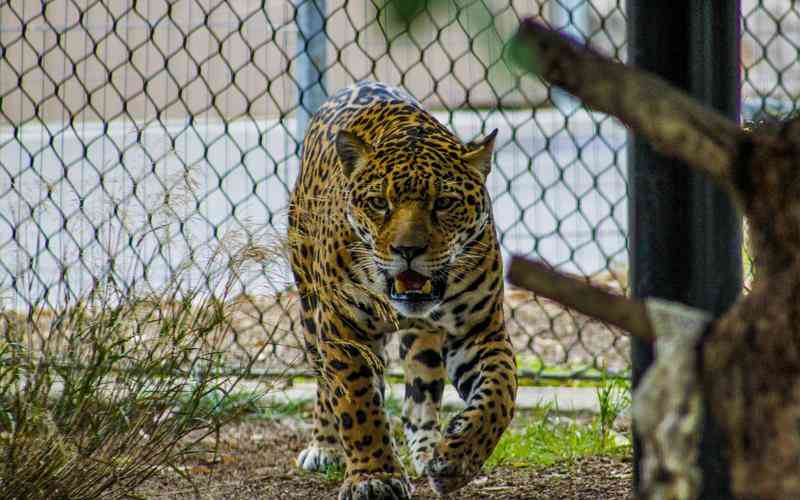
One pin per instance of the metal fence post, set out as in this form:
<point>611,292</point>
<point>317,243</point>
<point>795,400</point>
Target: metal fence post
<point>311,60</point>
<point>685,235</point>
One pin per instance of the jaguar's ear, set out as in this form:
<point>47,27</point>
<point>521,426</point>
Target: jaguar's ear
<point>479,153</point>
<point>351,150</point>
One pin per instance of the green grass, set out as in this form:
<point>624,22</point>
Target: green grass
<point>334,472</point>
<point>546,437</point>
<point>539,437</point>
<point>614,397</point>
<point>544,442</point>
<point>394,406</point>
<point>561,375</point>
<point>301,408</point>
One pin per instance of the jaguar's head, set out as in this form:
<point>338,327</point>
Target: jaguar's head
<point>417,201</point>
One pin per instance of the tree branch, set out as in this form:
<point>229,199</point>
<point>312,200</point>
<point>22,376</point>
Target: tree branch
<point>666,117</point>
<point>628,314</point>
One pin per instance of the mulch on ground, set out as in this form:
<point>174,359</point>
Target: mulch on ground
<point>255,460</point>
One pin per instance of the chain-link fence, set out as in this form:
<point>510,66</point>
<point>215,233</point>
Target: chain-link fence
<point>144,144</point>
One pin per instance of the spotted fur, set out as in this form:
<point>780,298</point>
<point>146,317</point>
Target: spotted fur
<point>385,188</point>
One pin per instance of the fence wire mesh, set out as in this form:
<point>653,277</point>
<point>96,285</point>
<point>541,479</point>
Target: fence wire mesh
<point>149,145</point>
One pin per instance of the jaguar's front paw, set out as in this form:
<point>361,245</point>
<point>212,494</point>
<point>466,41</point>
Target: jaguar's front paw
<point>446,474</point>
<point>318,458</point>
<point>375,487</point>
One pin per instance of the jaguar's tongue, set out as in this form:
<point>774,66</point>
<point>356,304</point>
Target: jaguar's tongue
<point>410,281</point>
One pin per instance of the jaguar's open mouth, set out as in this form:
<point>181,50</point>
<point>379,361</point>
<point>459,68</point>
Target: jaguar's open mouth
<point>411,286</point>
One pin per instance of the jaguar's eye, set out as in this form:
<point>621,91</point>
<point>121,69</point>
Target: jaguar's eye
<point>378,203</point>
<point>443,203</point>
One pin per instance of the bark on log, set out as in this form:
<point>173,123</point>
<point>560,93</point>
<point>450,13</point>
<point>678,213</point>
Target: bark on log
<point>750,362</point>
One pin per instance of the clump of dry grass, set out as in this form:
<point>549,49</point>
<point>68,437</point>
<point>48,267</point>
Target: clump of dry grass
<point>98,394</point>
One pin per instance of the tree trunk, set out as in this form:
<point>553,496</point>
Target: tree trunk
<point>749,364</point>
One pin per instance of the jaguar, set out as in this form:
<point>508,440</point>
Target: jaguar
<point>391,232</point>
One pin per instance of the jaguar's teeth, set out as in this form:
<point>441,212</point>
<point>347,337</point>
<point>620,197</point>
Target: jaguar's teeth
<point>399,287</point>
<point>427,287</point>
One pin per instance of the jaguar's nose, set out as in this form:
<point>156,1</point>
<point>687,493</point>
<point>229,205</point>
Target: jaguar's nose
<point>408,252</point>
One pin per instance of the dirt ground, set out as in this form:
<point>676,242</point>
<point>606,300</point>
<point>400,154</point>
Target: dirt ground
<point>254,460</point>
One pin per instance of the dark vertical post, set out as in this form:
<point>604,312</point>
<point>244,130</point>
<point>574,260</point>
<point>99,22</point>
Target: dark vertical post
<point>685,235</point>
